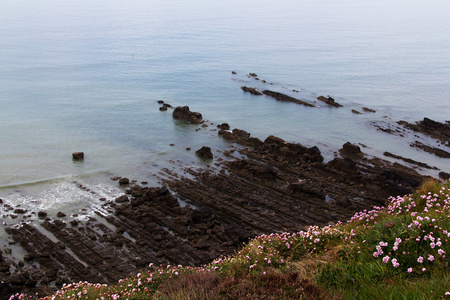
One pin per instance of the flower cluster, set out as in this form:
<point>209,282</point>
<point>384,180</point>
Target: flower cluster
<point>423,240</point>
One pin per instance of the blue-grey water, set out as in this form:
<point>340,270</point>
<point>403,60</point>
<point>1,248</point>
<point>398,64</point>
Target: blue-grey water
<point>80,75</point>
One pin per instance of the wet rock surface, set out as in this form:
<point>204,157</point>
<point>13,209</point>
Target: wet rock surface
<point>437,130</point>
<point>251,90</point>
<point>183,113</point>
<point>204,152</point>
<point>440,132</point>
<point>260,187</point>
<point>433,150</point>
<point>78,155</point>
<point>329,100</point>
<point>283,97</point>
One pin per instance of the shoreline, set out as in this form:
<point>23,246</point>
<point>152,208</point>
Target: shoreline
<point>256,187</point>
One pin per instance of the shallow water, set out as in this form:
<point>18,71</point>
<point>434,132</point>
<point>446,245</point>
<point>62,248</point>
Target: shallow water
<point>85,76</point>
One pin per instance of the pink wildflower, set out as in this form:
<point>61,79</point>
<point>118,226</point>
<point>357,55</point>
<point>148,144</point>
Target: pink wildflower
<point>386,259</point>
<point>395,263</point>
<point>420,259</point>
<point>410,270</point>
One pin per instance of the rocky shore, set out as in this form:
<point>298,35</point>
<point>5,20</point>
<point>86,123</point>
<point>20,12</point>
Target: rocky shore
<point>256,187</point>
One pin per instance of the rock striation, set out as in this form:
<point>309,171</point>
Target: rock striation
<point>260,187</point>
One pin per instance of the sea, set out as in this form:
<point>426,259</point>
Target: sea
<point>79,75</point>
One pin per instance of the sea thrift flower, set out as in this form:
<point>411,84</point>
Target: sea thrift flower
<point>386,259</point>
<point>420,259</point>
<point>431,258</point>
<point>441,252</point>
<point>410,270</point>
<point>395,263</point>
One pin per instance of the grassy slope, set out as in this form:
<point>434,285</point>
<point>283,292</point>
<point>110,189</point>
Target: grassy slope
<point>400,251</point>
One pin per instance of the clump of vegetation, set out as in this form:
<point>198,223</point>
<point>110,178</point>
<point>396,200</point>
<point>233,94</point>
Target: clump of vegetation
<point>395,252</point>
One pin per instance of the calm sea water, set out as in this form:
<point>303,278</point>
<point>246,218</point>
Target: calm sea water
<point>86,75</point>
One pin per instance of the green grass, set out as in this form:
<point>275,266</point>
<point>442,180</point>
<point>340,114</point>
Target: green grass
<point>400,251</point>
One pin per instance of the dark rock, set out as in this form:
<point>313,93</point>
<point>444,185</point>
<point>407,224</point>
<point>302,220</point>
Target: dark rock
<point>351,150</point>
<point>17,279</point>
<point>251,90</point>
<point>366,109</point>
<point>4,268</point>
<point>254,170</point>
<point>163,108</point>
<point>204,152</point>
<point>234,73</point>
<point>183,113</point>
<point>444,175</point>
<point>160,102</point>
<point>437,130</point>
<point>346,165</point>
<point>60,214</point>
<point>30,283</point>
<point>202,244</point>
<point>5,289</point>
<point>42,214</point>
<point>224,126</point>
<point>356,112</point>
<point>19,211</point>
<point>253,75</point>
<point>201,215</point>
<point>408,160</point>
<point>121,199</point>
<point>433,150</point>
<point>124,181</point>
<point>286,98</point>
<point>328,100</point>
<point>78,155</point>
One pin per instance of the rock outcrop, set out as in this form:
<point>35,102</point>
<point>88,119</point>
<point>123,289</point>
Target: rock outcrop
<point>204,152</point>
<point>183,113</point>
<point>285,98</point>
<point>329,100</point>
<point>78,155</point>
